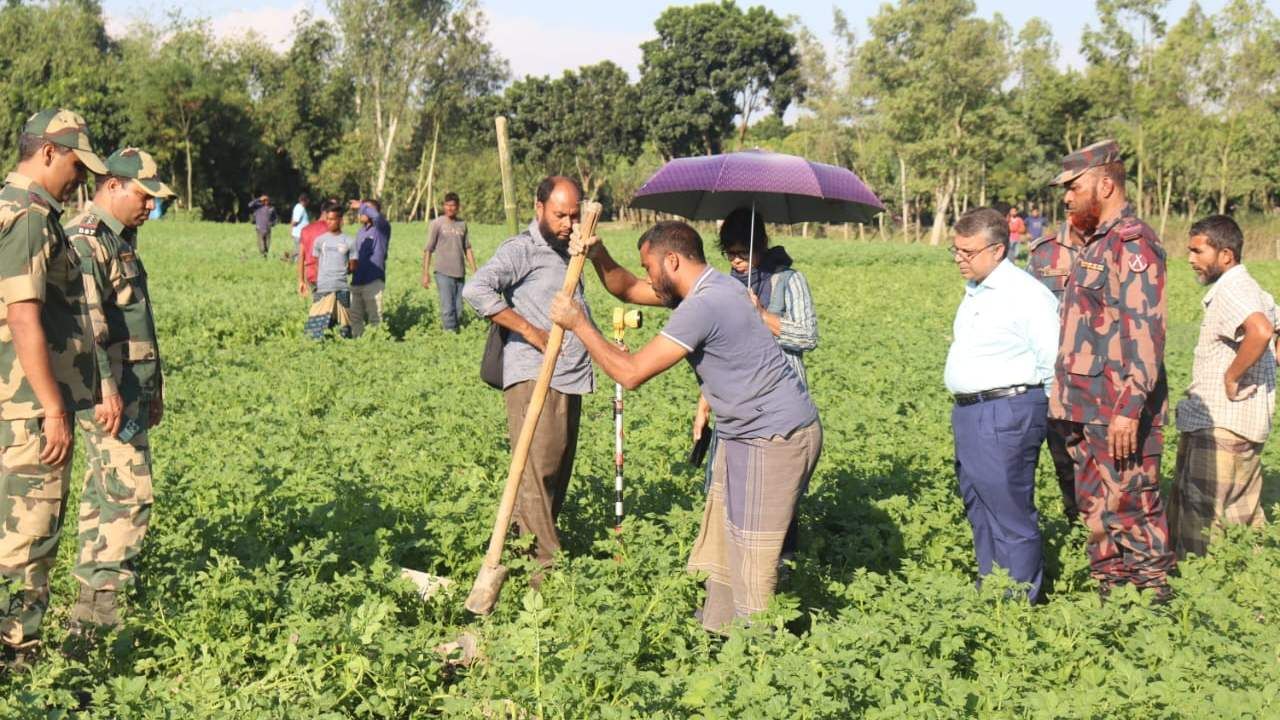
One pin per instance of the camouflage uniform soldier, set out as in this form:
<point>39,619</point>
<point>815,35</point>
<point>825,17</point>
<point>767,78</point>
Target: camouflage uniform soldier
<point>45,359</point>
<point>1110,382</point>
<point>1050,260</point>
<point>115,505</point>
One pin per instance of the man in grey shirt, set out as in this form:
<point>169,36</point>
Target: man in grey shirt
<point>447,240</point>
<point>515,289</point>
<point>770,434</point>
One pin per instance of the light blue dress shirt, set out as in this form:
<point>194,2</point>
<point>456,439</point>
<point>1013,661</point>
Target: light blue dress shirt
<point>1005,333</point>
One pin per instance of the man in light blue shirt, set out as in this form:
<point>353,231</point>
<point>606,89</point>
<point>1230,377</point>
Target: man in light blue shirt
<point>1005,343</point>
<point>300,219</point>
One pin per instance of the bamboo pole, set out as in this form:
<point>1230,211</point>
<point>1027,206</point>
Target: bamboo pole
<point>508,184</point>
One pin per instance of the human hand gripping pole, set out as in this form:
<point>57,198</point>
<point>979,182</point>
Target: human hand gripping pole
<point>484,592</point>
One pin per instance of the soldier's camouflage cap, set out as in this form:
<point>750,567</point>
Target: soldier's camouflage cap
<point>68,129</point>
<point>1103,152</point>
<point>141,168</point>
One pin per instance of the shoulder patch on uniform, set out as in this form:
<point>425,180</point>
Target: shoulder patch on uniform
<point>1138,263</point>
<point>88,225</point>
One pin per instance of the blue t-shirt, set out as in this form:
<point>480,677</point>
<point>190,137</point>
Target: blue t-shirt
<point>1035,227</point>
<point>332,251</point>
<point>744,377</point>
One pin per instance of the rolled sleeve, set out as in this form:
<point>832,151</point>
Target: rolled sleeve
<point>484,292</point>
<point>798,325</point>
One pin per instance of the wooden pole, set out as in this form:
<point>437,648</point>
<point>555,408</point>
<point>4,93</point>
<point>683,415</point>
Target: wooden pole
<point>431,171</point>
<point>508,184</point>
<point>484,593</point>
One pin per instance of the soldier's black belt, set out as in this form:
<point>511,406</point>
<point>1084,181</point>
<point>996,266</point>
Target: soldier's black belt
<point>985,395</point>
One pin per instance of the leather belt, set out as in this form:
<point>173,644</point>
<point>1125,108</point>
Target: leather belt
<point>996,394</point>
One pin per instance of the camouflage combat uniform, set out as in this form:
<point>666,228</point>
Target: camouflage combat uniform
<point>1050,260</point>
<point>1111,364</point>
<point>115,505</point>
<point>36,263</point>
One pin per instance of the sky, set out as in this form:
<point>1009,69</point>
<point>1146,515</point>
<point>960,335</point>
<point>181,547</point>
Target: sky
<point>546,37</point>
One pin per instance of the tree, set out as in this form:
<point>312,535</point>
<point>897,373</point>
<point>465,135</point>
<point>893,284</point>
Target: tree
<point>933,73</point>
<point>399,51</point>
<point>602,132</point>
<point>710,63</point>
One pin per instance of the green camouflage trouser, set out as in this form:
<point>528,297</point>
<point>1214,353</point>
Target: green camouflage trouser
<point>115,506</point>
<point>31,510</point>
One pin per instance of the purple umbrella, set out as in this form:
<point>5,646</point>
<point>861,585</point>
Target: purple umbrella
<point>781,188</point>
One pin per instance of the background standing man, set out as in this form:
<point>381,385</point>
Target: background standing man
<point>1017,233</point>
<point>115,505</point>
<point>1000,362</point>
<point>1226,417</point>
<point>769,431</point>
<point>297,221</point>
<point>46,359</point>
<point>1110,382</point>
<point>1050,260</point>
<point>447,238</point>
<point>1035,224</point>
<point>370,277</point>
<point>264,217</point>
<point>335,255</point>
<point>515,289</point>
<point>306,243</point>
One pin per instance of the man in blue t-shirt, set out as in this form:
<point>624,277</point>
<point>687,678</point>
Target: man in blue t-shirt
<point>770,434</point>
<point>1035,225</point>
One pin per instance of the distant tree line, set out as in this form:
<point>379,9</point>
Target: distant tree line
<point>937,108</point>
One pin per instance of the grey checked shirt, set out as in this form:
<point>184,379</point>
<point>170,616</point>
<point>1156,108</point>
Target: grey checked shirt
<point>525,274</point>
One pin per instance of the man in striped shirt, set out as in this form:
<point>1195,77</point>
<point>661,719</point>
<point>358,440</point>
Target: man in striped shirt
<point>1226,416</point>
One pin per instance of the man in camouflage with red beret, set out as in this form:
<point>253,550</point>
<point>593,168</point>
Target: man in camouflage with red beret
<point>1109,386</point>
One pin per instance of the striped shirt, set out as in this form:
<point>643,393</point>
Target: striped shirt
<point>1233,298</point>
<point>798,323</point>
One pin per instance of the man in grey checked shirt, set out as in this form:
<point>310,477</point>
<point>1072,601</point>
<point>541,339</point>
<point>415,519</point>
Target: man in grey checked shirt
<point>515,289</point>
<point>1226,416</point>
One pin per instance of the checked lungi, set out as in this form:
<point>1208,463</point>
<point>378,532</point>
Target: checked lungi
<point>1217,482</point>
<point>329,310</point>
<point>755,484</point>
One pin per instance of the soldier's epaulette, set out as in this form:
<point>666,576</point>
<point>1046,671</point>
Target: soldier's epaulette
<point>34,200</point>
<point>1131,230</point>
<point>1051,235</point>
<point>88,225</point>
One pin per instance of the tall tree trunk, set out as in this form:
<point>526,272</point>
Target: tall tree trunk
<point>188,155</point>
<point>941,201</point>
<point>906,206</point>
<point>1142,206</point>
<point>1164,203</point>
<point>431,170</point>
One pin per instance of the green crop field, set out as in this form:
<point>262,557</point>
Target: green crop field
<point>295,478</point>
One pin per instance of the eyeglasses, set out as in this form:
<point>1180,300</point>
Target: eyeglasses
<point>968,255</point>
<point>734,254</point>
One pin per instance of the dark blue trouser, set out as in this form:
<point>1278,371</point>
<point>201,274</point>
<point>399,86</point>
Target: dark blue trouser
<point>997,447</point>
<point>450,290</point>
